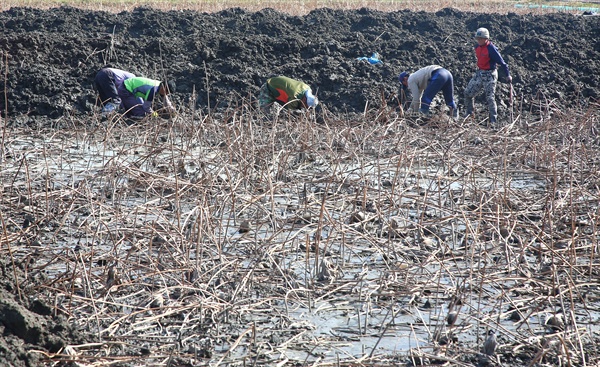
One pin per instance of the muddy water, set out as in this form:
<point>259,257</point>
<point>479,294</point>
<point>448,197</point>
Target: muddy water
<point>232,245</point>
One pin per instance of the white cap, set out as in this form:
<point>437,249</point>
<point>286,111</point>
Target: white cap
<point>311,100</point>
<point>482,33</point>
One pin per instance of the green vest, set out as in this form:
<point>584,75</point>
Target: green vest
<point>284,90</point>
<point>142,87</point>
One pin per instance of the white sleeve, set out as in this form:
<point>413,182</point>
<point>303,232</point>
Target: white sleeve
<point>416,96</point>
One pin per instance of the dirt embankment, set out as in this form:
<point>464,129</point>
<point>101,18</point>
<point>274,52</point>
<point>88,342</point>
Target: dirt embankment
<point>29,326</point>
<point>218,59</point>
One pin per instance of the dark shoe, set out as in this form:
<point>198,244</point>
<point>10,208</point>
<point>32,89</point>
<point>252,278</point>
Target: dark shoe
<point>133,120</point>
<point>424,111</point>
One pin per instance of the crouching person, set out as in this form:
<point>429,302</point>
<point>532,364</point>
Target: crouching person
<point>107,83</point>
<point>424,84</point>
<point>289,93</point>
<point>138,94</point>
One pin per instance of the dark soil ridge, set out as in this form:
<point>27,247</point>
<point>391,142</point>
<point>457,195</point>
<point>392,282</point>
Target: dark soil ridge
<point>222,58</point>
<point>29,327</point>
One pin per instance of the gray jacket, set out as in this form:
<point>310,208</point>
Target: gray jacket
<point>417,82</point>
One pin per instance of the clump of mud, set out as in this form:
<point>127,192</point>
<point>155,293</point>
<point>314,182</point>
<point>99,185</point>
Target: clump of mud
<point>31,328</point>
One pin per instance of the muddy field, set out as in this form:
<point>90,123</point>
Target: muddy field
<point>220,237</point>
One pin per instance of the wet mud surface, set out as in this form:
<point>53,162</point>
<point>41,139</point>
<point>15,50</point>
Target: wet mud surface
<point>218,238</point>
<point>219,59</point>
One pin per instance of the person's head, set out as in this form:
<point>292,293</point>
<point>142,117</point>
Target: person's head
<point>311,99</point>
<point>482,35</point>
<point>166,88</point>
<point>403,78</point>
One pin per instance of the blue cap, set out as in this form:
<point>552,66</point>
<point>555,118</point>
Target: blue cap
<point>403,75</point>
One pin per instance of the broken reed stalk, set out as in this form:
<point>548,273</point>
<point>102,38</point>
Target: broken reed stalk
<point>11,254</point>
<point>207,87</point>
<point>4,121</point>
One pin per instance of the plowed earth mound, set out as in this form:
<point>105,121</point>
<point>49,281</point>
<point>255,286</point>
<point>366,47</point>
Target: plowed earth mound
<point>53,55</point>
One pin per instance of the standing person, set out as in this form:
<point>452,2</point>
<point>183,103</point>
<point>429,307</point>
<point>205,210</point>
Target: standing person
<point>107,83</point>
<point>137,95</point>
<point>486,76</point>
<point>424,84</point>
<point>290,93</point>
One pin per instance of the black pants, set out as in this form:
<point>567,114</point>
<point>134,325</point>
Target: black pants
<point>104,83</point>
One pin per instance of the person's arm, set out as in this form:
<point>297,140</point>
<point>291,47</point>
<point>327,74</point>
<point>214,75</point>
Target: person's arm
<point>405,97</point>
<point>415,91</point>
<point>147,106</point>
<point>143,92</point>
<point>497,58</point>
<point>167,103</point>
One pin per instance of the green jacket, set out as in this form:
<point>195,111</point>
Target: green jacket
<point>146,90</point>
<point>143,88</point>
<point>284,90</point>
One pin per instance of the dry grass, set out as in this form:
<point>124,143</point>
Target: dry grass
<point>226,238</point>
<point>294,7</point>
